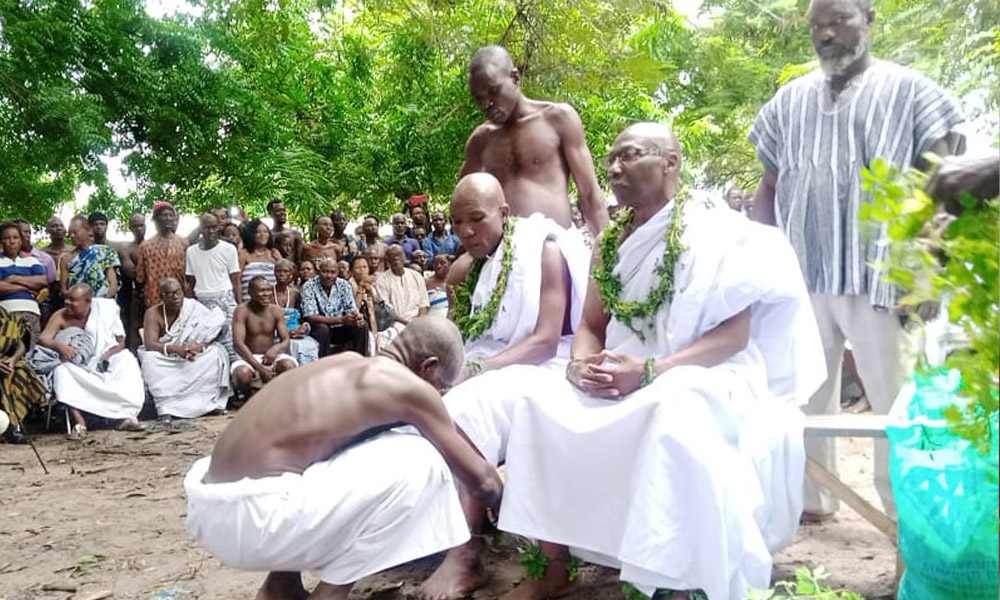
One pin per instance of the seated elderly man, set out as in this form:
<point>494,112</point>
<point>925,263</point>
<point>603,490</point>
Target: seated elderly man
<point>293,484</point>
<point>517,298</point>
<point>184,366</point>
<point>672,447</point>
<point>260,337</point>
<point>403,289</point>
<point>109,384</point>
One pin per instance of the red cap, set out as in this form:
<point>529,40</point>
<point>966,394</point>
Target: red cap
<point>415,200</point>
<point>161,205</point>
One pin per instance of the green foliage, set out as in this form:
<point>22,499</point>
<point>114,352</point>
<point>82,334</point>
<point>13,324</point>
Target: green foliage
<point>361,103</point>
<point>808,584</point>
<point>533,560</point>
<point>959,262</point>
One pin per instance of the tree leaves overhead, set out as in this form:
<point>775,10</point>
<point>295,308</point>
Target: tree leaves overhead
<point>358,104</point>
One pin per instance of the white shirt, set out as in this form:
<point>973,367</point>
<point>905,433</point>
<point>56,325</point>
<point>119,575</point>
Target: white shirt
<point>211,268</point>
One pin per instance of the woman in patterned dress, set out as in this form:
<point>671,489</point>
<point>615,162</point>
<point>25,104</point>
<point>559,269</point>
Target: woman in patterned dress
<point>90,263</point>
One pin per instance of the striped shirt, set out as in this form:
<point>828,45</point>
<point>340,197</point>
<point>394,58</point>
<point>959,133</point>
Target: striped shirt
<point>817,146</point>
<point>24,265</point>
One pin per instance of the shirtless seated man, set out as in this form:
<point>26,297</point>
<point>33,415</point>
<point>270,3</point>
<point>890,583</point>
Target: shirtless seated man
<point>291,486</point>
<point>256,324</point>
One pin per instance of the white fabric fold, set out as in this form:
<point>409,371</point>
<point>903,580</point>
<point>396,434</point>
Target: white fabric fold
<point>370,507</point>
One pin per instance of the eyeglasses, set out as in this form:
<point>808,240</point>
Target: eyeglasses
<point>629,154</point>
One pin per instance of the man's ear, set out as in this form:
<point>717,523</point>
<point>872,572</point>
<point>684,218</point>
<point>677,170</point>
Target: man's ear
<point>504,210</point>
<point>870,16</point>
<point>431,362</point>
<point>671,162</point>
<point>515,76</point>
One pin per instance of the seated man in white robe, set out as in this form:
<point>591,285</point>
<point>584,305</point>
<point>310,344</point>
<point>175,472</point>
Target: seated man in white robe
<point>517,296</point>
<point>674,450</point>
<point>301,481</point>
<point>110,384</point>
<point>185,367</point>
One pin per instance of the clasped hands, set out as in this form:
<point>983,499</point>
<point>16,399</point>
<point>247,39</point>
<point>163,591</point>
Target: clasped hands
<point>612,381</point>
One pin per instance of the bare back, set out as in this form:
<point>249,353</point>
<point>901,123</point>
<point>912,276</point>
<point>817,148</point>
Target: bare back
<point>261,327</point>
<point>527,157</point>
<point>307,415</point>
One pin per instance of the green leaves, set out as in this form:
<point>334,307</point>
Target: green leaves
<point>960,263</point>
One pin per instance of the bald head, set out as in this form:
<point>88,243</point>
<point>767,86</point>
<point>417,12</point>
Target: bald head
<point>482,188</point>
<point>478,213</point>
<point>169,284</point>
<point>654,134</point>
<point>436,339</point>
<point>81,291</point>
<point>491,56</point>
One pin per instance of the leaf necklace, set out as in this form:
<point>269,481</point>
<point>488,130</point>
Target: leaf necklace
<point>609,285</point>
<point>473,323</point>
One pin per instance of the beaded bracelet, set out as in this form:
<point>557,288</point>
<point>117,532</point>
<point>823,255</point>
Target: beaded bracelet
<point>475,366</point>
<point>650,372</point>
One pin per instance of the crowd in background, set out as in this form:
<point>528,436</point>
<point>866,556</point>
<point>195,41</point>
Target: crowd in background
<point>334,290</point>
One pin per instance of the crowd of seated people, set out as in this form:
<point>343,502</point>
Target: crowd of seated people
<point>193,323</point>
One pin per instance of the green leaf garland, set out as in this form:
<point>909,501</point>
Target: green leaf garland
<point>609,285</point>
<point>473,323</point>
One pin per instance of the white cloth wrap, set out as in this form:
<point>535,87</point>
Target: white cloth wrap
<point>183,388</point>
<point>691,482</point>
<point>480,406</point>
<point>518,313</point>
<point>370,507</point>
<point>116,394</point>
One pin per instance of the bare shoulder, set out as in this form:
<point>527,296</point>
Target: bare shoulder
<point>393,380</point>
<point>459,269</point>
<point>240,312</point>
<point>478,138</point>
<point>563,117</point>
<point>275,311</point>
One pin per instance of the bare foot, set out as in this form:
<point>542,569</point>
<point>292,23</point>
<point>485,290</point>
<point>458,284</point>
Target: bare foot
<point>329,591</point>
<point>554,584</point>
<point>459,575</point>
<point>282,586</point>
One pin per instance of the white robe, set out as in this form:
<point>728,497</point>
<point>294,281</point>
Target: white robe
<point>518,313</point>
<point>116,394</point>
<point>183,388</point>
<point>375,505</point>
<point>691,482</point>
<point>480,406</point>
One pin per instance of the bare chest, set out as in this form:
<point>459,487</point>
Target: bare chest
<point>521,149</point>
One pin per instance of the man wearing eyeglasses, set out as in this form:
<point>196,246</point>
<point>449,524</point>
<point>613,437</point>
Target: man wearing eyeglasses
<point>531,146</point>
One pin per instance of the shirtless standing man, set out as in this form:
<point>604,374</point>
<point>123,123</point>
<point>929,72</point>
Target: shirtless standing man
<point>129,299</point>
<point>323,248</point>
<point>530,146</point>
<point>255,326</point>
<point>290,457</point>
<point>279,215</point>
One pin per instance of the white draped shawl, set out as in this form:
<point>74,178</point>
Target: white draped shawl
<point>183,388</point>
<point>519,307</point>
<point>691,482</point>
<point>115,394</point>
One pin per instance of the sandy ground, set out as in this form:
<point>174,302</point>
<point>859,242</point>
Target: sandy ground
<point>108,521</point>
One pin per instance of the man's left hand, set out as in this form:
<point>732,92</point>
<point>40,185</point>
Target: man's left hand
<point>626,376</point>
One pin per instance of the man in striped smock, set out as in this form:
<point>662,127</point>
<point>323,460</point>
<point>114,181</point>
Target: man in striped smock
<point>813,138</point>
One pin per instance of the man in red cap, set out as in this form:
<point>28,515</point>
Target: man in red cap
<point>161,256</point>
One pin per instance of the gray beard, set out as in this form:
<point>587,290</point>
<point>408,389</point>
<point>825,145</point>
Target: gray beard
<point>834,67</point>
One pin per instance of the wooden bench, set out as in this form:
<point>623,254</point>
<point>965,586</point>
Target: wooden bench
<point>869,426</point>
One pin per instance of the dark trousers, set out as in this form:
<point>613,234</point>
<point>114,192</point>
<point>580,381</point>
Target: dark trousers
<point>356,338</point>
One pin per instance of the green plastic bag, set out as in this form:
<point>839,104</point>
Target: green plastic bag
<point>946,496</point>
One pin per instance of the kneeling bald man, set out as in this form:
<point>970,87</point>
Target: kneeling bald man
<point>306,479</point>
